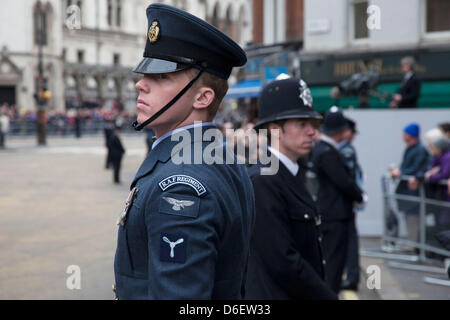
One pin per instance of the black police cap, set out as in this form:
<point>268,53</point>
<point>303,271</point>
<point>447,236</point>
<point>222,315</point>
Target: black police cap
<point>177,40</point>
<point>334,121</point>
<point>351,124</point>
<point>285,99</point>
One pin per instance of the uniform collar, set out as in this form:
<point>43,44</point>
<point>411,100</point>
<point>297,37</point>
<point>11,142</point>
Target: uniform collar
<point>343,144</point>
<point>328,140</point>
<point>165,148</point>
<point>189,126</point>
<point>408,75</point>
<point>292,166</point>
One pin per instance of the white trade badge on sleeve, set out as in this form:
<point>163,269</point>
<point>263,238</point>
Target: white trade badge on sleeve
<point>182,179</point>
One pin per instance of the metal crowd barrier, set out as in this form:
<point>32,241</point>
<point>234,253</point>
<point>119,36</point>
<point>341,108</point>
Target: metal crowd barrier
<point>417,246</point>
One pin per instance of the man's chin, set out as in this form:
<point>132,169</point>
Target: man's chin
<point>142,119</point>
<point>305,151</point>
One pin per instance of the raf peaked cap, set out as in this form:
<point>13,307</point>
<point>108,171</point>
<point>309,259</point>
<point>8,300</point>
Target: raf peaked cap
<point>285,99</point>
<point>177,40</point>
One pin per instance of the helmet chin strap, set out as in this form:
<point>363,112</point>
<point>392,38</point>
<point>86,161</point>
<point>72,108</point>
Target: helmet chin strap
<point>139,127</point>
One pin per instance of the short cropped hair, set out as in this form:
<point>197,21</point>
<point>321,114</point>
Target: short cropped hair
<point>218,85</point>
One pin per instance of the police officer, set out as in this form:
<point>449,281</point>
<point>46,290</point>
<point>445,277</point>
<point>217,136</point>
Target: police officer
<point>348,153</point>
<point>185,230</point>
<point>108,131</point>
<point>286,258</point>
<point>336,195</point>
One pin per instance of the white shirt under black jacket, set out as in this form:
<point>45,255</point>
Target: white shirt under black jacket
<point>292,166</point>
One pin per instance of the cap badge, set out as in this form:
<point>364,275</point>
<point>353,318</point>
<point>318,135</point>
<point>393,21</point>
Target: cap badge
<point>153,32</point>
<point>305,94</point>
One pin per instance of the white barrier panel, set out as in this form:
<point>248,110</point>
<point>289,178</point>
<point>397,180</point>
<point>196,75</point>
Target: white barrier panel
<point>379,143</point>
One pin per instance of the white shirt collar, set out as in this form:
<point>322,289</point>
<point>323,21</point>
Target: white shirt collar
<point>292,166</point>
<point>330,141</point>
<point>189,126</point>
<point>408,75</point>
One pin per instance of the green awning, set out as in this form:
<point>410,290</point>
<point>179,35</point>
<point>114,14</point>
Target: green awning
<point>434,94</point>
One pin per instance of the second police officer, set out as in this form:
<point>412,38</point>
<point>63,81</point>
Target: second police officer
<point>286,259</point>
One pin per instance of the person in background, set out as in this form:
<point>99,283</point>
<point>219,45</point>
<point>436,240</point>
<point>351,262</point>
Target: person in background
<point>348,152</point>
<point>414,163</point>
<point>336,195</point>
<point>78,120</point>
<point>4,126</point>
<point>409,91</point>
<point>117,150</point>
<point>439,170</point>
<point>108,131</point>
<point>445,129</point>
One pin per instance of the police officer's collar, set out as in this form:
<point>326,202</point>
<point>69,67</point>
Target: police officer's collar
<point>328,140</point>
<point>189,126</point>
<point>293,167</point>
<point>343,144</point>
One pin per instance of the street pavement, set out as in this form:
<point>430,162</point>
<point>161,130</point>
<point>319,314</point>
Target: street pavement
<point>58,207</point>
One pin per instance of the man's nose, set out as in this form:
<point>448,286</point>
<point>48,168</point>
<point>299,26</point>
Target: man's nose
<point>310,130</point>
<point>141,85</point>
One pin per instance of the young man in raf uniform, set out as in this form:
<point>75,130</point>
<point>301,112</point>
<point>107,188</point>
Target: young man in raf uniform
<point>285,256</point>
<point>185,231</point>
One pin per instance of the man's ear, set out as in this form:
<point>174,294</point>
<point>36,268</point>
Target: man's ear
<point>203,98</point>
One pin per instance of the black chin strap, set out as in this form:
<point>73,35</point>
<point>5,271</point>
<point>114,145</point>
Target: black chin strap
<point>139,127</point>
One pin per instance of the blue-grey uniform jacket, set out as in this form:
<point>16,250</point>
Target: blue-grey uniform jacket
<point>187,232</point>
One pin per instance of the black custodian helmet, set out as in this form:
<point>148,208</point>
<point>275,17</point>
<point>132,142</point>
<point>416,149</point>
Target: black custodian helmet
<point>285,99</point>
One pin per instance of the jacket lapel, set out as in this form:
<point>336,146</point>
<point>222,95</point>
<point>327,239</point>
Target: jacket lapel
<point>296,186</point>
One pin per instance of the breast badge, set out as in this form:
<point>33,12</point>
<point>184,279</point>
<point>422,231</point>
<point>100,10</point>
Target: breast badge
<point>131,197</point>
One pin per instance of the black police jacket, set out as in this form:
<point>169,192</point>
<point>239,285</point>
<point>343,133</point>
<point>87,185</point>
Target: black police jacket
<point>410,92</point>
<point>337,189</point>
<point>285,259</point>
<point>115,146</point>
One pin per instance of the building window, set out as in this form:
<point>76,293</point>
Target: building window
<point>118,13</point>
<point>438,15</point>
<point>80,54</point>
<point>227,27</point>
<point>114,13</point>
<point>116,59</point>
<point>40,26</point>
<point>109,16</point>
<point>360,20</point>
<point>215,16</point>
<point>64,54</point>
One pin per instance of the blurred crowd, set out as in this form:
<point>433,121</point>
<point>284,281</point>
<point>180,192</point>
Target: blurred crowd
<point>62,122</point>
<point>424,173</point>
